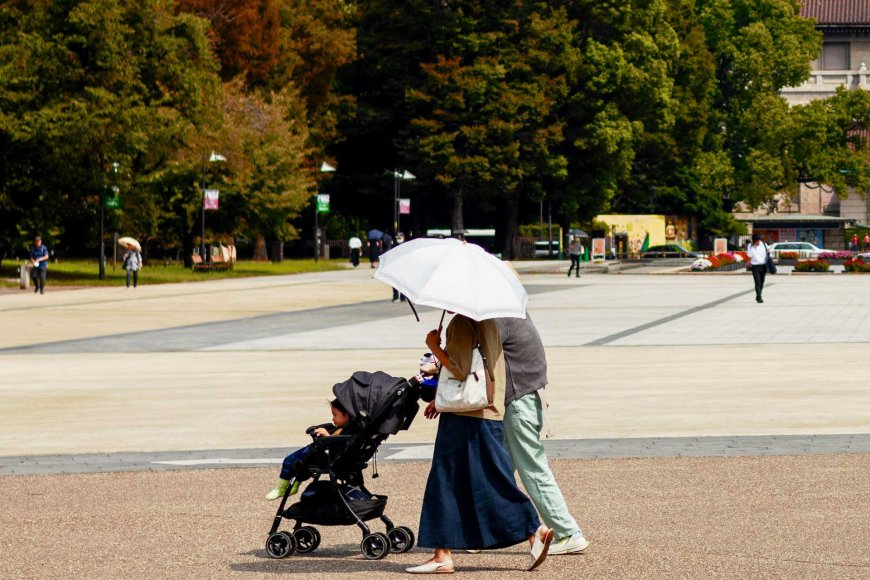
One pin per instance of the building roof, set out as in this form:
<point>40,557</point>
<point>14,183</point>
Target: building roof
<point>784,218</point>
<point>837,12</point>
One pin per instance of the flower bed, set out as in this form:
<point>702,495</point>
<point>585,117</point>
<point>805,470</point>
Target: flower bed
<point>812,266</point>
<point>857,266</point>
<point>721,262</point>
<point>839,255</point>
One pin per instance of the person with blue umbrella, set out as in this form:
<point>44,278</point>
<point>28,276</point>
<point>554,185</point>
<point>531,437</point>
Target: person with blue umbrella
<point>374,238</point>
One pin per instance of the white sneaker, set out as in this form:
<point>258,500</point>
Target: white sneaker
<point>575,544</point>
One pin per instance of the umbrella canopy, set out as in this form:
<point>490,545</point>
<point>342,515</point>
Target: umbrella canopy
<point>455,276</point>
<point>374,235</point>
<point>130,243</point>
<point>578,233</point>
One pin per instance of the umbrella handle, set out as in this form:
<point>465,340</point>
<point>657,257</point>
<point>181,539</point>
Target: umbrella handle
<point>441,323</point>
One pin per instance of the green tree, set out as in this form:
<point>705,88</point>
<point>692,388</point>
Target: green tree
<point>486,124</point>
<point>830,141</point>
<point>89,83</point>
<point>621,109</point>
<point>317,39</point>
<point>731,130</point>
<point>759,46</point>
<point>269,181</point>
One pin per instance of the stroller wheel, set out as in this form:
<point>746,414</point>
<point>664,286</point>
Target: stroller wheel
<point>280,545</point>
<point>401,539</point>
<point>307,539</point>
<point>375,546</point>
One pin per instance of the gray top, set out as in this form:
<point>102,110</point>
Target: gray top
<point>524,357</point>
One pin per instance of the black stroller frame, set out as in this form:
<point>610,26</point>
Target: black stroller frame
<point>342,458</point>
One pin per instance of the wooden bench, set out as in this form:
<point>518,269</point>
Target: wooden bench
<point>200,266</point>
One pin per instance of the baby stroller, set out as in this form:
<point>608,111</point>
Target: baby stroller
<point>379,405</point>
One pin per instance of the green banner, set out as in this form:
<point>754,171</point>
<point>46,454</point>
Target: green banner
<point>112,198</point>
<point>323,203</point>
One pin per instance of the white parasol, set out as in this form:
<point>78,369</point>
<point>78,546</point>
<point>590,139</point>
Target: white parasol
<point>455,276</point>
<point>129,243</point>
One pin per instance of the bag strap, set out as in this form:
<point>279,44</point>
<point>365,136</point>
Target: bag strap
<point>547,426</point>
<point>477,346</point>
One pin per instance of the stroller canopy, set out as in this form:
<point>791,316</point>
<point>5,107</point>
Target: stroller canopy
<point>378,397</point>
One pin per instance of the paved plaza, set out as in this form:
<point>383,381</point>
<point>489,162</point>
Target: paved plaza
<point>698,434</point>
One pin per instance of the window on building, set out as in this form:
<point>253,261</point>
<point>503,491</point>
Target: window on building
<point>835,56</point>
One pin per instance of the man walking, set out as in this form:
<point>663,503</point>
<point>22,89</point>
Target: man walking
<point>39,255</point>
<point>758,263</point>
<point>526,370</point>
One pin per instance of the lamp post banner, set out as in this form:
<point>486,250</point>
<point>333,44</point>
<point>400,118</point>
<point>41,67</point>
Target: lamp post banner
<point>112,198</point>
<point>405,206</point>
<point>210,198</point>
<point>323,203</point>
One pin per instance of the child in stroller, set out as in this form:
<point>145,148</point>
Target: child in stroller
<point>340,419</point>
<point>376,405</point>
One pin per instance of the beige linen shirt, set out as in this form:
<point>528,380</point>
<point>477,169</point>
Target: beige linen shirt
<point>463,335</point>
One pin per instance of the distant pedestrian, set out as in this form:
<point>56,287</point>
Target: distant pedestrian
<point>39,255</point>
<point>575,250</point>
<point>132,263</point>
<point>524,419</point>
<point>354,244</point>
<point>854,244</point>
<point>374,252</point>
<point>866,241</point>
<point>757,251</point>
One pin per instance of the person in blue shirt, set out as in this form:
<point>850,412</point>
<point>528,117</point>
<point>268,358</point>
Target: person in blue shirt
<point>39,255</point>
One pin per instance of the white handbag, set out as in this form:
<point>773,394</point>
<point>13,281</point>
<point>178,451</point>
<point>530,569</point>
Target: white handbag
<point>455,396</point>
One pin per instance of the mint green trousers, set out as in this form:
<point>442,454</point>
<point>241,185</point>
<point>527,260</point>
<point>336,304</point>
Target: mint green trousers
<point>523,421</point>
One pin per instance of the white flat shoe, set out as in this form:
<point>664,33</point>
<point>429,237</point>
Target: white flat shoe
<point>432,568</point>
<point>540,548</point>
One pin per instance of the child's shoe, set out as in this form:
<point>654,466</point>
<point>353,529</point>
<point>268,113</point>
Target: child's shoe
<point>279,490</point>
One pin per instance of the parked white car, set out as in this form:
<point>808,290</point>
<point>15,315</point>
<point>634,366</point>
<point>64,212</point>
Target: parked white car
<point>804,250</point>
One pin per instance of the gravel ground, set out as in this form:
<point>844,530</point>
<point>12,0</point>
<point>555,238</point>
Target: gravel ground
<point>758,517</point>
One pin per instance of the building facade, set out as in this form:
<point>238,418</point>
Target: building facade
<point>813,208</point>
<point>845,57</point>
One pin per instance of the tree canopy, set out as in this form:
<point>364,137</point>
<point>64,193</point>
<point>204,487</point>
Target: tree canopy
<point>589,106</point>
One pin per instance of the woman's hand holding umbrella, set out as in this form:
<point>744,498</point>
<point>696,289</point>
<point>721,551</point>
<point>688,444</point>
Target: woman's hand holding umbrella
<point>433,341</point>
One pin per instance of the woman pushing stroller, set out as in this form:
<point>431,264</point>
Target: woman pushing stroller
<point>472,501</point>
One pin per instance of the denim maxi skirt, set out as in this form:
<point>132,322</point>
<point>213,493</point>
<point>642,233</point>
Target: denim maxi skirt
<point>472,501</point>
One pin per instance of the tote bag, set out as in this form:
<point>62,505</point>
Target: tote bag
<point>768,262</point>
<point>455,396</point>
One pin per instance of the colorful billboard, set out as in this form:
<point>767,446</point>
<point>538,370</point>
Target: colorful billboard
<point>661,229</point>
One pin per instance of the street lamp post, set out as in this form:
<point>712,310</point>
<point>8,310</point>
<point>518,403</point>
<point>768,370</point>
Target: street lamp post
<point>211,159</point>
<point>115,166</point>
<point>324,168</point>
<point>398,177</point>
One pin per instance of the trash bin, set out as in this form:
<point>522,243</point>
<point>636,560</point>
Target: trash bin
<point>25,276</point>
